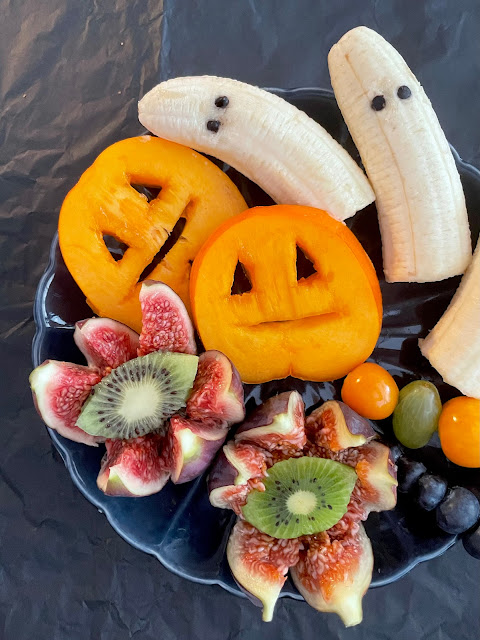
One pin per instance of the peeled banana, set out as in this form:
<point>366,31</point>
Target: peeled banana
<point>453,345</point>
<point>261,135</point>
<point>419,196</point>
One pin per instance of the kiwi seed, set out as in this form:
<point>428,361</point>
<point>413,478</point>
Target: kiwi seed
<point>302,496</point>
<point>139,396</point>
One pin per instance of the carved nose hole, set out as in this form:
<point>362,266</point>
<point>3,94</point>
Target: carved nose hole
<point>305,267</point>
<point>116,247</point>
<point>169,244</point>
<point>149,192</point>
<point>241,281</point>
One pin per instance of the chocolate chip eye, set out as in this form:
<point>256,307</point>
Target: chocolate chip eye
<point>213,125</point>
<point>221,102</point>
<point>378,103</point>
<point>404,92</point>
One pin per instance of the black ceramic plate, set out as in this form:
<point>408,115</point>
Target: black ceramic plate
<point>178,525</point>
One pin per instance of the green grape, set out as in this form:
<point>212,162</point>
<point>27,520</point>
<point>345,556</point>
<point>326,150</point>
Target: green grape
<point>416,415</point>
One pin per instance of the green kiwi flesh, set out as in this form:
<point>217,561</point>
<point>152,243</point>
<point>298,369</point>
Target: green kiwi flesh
<point>139,396</point>
<point>302,496</point>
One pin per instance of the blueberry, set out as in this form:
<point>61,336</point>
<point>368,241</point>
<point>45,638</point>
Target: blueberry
<point>409,471</point>
<point>396,451</point>
<point>459,511</point>
<point>471,542</point>
<point>431,491</point>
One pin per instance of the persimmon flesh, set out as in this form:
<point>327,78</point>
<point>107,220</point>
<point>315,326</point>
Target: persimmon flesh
<point>105,202</point>
<point>315,328</point>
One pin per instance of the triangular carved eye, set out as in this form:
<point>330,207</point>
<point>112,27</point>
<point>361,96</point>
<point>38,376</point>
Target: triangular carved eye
<point>305,267</point>
<point>149,192</point>
<point>169,244</point>
<point>116,247</point>
<point>241,280</point>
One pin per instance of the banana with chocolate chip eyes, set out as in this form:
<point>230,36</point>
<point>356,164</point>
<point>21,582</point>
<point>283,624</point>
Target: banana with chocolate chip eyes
<point>277,146</point>
<point>419,196</point>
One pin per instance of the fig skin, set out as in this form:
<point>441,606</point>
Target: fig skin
<point>377,474</point>
<point>336,578</point>
<point>217,391</point>
<point>259,563</point>
<point>276,425</point>
<point>333,576</point>
<point>134,468</point>
<point>166,325</point>
<point>335,426</point>
<point>376,487</point>
<point>193,445</point>
<point>239,468</point>
<point>59,390</point>
<point>105,343</point>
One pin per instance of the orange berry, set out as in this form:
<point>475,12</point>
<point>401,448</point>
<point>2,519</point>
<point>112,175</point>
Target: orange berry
<point>370,391</point>
<point>459,431</point>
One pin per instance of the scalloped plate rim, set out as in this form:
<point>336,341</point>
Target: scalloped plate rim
<point>60,442</point>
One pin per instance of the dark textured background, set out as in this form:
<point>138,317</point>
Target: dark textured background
<point>71,72</point>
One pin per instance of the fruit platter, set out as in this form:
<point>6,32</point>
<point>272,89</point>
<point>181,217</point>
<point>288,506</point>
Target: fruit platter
<point>257,344</point>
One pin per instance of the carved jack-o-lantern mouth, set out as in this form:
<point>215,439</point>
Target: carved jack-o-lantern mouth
<point>316,326</point>
<point>158,231</point>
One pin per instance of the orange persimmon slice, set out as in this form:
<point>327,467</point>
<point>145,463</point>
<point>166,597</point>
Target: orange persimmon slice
<point>193,192</point>
<point>317,327</point>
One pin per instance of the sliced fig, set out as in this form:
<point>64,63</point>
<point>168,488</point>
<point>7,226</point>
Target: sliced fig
<point>193,445</point>
<point>356,512</point>
<point>59,390</point>
<point>335,426</point>
<point>333,575</point>
<point>377,477</point>
<point>238,469</point>
<point>166,325</point>
<point>260,563</point>
<point>276,425</point>
<point>217,390</point>
<point>105,343</point>
<point>134,468</point>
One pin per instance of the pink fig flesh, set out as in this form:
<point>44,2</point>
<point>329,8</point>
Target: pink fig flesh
<point>166,325</point>
<point>377,476</point>
<point>217,390</point>
<point>239,468</point>
<point>276,425</point>
<point>105,343</point>
<point>335,426</point>
<point>134,468</point>
<point>190,452</point>
<point>59,391</point>
<point>376,486</point>
<point>333,575</point>
<point>260,563</point>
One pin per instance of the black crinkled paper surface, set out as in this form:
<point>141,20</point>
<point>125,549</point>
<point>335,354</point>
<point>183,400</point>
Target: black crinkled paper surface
<point>71,73</point>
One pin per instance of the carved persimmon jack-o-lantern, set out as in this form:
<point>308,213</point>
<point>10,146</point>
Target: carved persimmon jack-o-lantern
<point>192,197</point>
<point>317,327</point>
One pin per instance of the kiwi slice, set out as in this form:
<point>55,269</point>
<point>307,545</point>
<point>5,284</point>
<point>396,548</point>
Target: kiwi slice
<point>302,496</point>
<point>139,396</point>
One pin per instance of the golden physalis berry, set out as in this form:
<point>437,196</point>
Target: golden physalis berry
<point>459,431</point>
<point>370,391</point>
